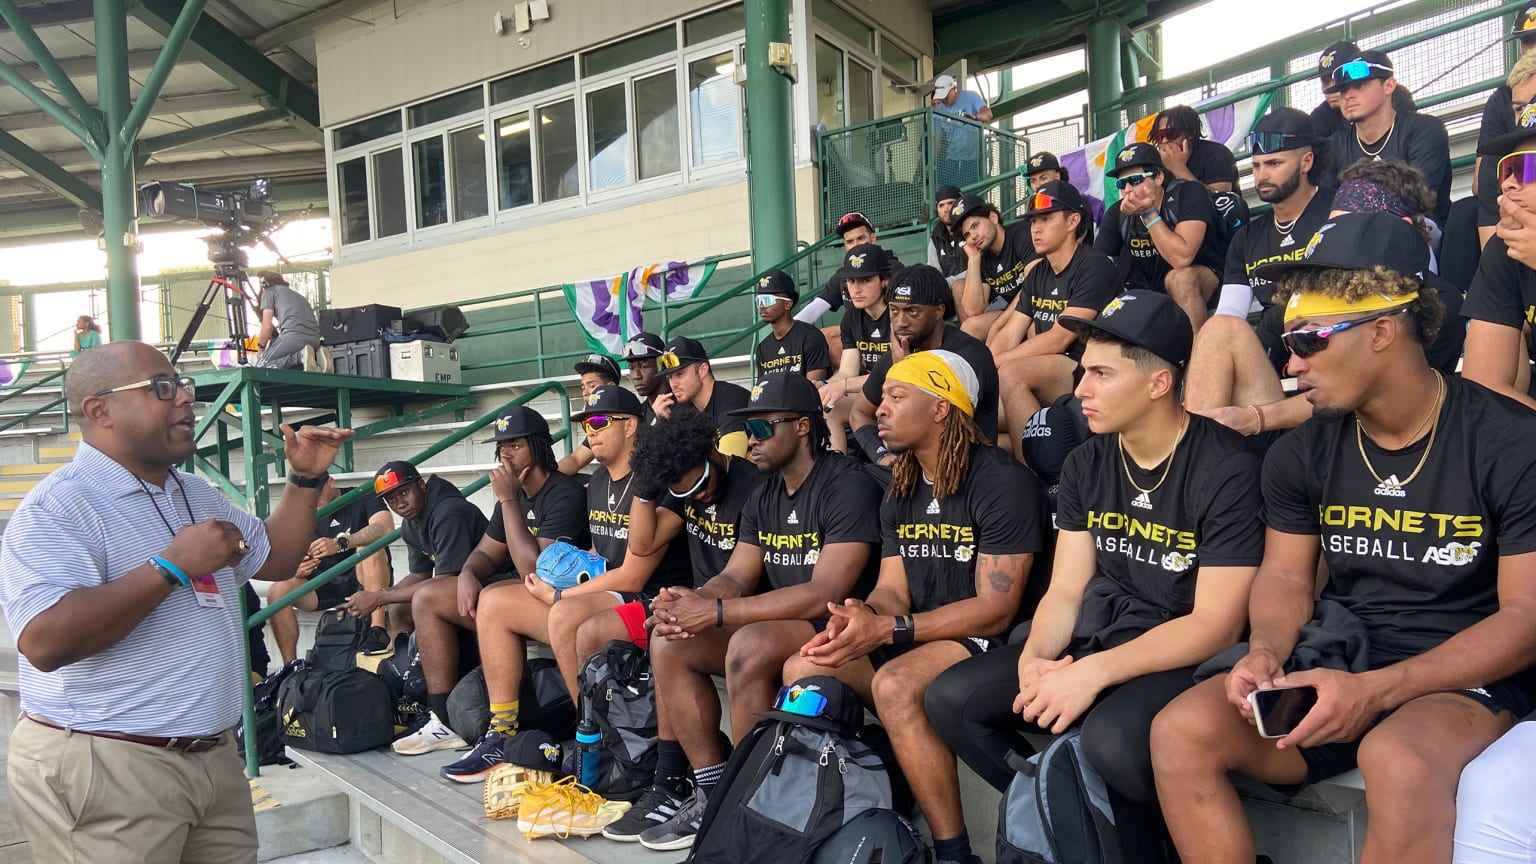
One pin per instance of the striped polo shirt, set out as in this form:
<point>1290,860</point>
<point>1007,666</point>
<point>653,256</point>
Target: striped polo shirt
<point>181,670</point>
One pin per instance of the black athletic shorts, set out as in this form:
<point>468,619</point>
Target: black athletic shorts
<point>1331,760</point>
<point>977,645</point>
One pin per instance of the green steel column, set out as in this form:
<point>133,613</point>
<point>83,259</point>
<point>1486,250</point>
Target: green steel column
<point>770,148</point>
<point>117,186</point>
<point>28,322</point>
<point>1103,74</point>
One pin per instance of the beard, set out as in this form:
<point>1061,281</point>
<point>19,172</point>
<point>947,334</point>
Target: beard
<point>1324,412</point>
<point>1286,189</point>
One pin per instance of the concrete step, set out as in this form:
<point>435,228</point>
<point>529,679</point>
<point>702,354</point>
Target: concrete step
<point>21,487</point>
<point>34,470</point>
<point>56,454</point>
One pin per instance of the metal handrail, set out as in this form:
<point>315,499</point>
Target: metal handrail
<point>750,283</point>
<point>257,618</point>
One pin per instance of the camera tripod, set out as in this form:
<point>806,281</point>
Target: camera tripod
<point>229,279</point>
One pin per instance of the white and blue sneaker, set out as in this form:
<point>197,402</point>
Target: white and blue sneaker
<point>490,751</point>
<point>433,735</point>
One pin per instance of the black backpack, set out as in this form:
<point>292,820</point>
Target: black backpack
<point>407,683</point>
<point>1058,811</point>
<point>335,712</point>
<point>543,703</point>
<point>787,789</point>
<point>269,738</point>
<point>339,637</point>
<point>617,694</point>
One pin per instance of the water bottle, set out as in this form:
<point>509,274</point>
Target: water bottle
<point>587,739</point>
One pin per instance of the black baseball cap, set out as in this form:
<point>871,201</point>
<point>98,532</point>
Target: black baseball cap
<point>969,205</point>
<point>1525,22</point>
<point>835,705</point>
<point>1137,155</point>
<point>946,193</point>
<point>783,392</point>
<point>1380,70</point>
<point>780,283</point>
<point>1359,241</point>
<point>863,260</point>
<point>519,421</point>
<point>1500,146</point>
<point>1332,56</point>
<point>920,285</point>
<point>610,399</point>
<point>393,475</point>
<point>1054,197</point>
<point>686,351</point>
<point>1045,160</point>
<point>643,346</point>
<point>602,364</point>
<point>534,749</point>
<point>1282,129</point>
<point>1147,319</point>
<point>851,221</point>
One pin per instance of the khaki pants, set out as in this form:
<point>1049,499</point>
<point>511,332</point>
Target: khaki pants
<point>87,800</point>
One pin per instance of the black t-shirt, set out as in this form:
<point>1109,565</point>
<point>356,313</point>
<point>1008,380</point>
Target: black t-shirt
<point>1151,546</point>
<point>1003,273</point>
<point>996,512</point>
<point>947,251</point>
<point>725,398</point>
<point>1259,242</point>
<point>1328,120</point>
<point>711,530</point>
<point>1498,119</point>
<point>1088,282</point>
<point>1416,563</point>
<point>802,350</point>
<point>871,336</point>
<point>608,503</point>
<point>1502,292</point>
<point>1182,201</point>
<point>1211,162</point>
<point>448,529</point>
<point>1417,139</point>
<point>833,293</point>
<point>348,520</point>
<point>558,512</point>
<point>838,503</point>
<point>974,353</point>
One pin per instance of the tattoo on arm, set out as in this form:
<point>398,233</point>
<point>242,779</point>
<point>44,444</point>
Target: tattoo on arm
<point>1001,577</point>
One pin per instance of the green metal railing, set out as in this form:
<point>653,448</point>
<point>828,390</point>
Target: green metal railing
<point>61,404</point>
<point>543,336</point>
<point>889,169</point>
<point>256,619</point>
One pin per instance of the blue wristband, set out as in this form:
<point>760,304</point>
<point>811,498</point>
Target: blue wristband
<point>175,571</point>
<point>1154,221</point>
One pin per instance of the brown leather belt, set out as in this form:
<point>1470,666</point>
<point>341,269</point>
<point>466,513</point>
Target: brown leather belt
<point>181,744</point>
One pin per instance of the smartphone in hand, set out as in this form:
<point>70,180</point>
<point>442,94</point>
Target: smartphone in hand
<point>1278,711</point>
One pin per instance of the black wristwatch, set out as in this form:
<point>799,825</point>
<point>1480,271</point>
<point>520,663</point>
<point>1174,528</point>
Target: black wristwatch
<point>308,482</point>
<point>343,541</point>
<point>902,633</point>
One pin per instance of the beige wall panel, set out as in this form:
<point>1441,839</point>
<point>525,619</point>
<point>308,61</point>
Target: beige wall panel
<point>392,54</point>
<point>690,226</point>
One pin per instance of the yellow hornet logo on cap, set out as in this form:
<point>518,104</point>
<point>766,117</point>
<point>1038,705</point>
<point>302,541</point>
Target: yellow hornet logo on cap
<point>856,261</point>
<point>757,390</point>
<point>1116,305</point>
<point>1037,162</point>
<point>1530,21</point>
<point>1327,61</point>
<point>763,282</point>
<point>550,751</point>
<point>1126,155</point>
<point>592,398</point>
<point>503,422</point>
<point>1527,116</point>
<point>1316,238</point>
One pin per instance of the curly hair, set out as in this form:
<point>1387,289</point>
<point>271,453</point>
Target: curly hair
<point>672,447</point>
<point>1181,119</point>
<point>958,435</point>
<point>1425,312</point>
<point>1399,179</point>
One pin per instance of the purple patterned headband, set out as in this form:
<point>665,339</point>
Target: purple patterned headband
<point>1363,196</point>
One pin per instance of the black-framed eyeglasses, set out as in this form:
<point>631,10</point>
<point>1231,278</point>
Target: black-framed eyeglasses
<point>1305,343</point>
<point>164,387</point>
<point>761,429</point>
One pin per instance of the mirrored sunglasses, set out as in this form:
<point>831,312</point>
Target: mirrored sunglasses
<point>1275,142</point>
<point>1305,343</point>
<point>765,301</point>
<point>1357,70</point>
<point>669,360</point>
<point>599,422</point>
<point>1166,135</point>
<point>800,701</point>
<point>761,429</point>
<point>1520,165</point>
<point>387,482</point>
<point>1126,182</point>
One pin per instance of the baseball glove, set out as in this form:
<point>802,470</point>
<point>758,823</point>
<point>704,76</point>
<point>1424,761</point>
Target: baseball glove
<point>503,790</point>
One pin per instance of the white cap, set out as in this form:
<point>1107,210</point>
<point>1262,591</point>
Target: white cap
<point>942,86</point>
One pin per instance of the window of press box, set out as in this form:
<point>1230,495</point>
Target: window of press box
<point>443,107</point>
<point>467,149</point>
<point>714,109</point>
<point>536,80</point>
<point>389,192</point>
<point>450,165</point>
<point>621,54</point>
<point>352,194</point>
<point>556,164</point>
<point>430,171</point>
<point>835,17</point>
<point>559,151</point>
<point>607,138</point>
<point>713,25</point>
<point>658,141</point>
<point>898,60</point>
<point>364,131</point>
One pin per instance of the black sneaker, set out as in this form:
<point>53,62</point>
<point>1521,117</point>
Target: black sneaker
<point>490,751</point>
<point>678,832</point>
<point>656,806</point>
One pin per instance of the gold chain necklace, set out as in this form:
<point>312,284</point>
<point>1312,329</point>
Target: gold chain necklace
<point>1167,466</point>
<point>1434,412</point>
<point>1377,155</point>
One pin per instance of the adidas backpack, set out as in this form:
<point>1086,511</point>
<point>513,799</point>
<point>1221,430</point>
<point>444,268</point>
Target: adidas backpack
<point>1057,811</point>
<point>618,695</point>
<point>794,781</point>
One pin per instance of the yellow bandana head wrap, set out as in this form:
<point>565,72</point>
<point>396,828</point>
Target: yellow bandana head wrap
<point>940,373</point>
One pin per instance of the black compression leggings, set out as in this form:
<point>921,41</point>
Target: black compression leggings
<point>971,707</point>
